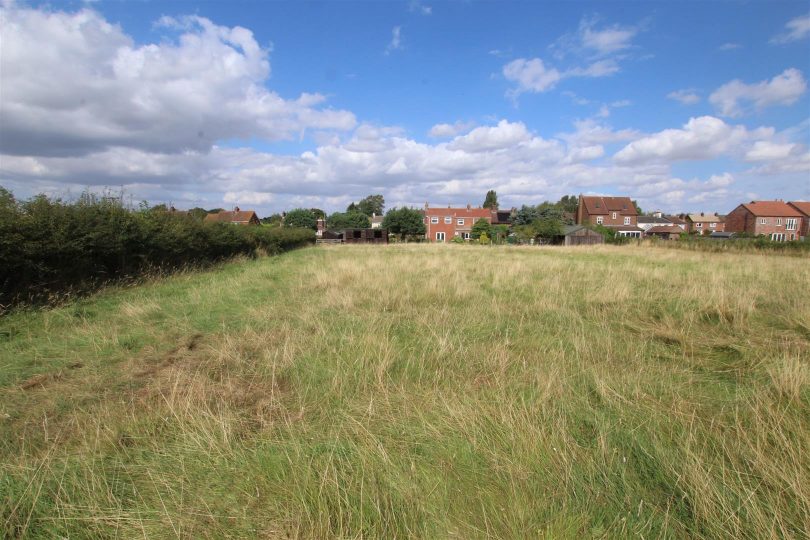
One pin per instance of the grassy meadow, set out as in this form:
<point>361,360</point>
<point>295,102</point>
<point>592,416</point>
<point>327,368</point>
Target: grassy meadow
<point>418,391</point>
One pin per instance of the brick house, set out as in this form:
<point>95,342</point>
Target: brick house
<point>237,217</point>
<point>618,213</point>
<point>804,209</point>
<point>700,223</point>
<point>442,224</point>
<point>775,219</point>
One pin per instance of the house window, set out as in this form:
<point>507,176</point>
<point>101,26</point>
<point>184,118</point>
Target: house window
<point>599,220</point>
<point>465,235</point>
<point>712,225</point>
<point>792,237</point>
<point>440,237</point>
<point>434,220</point>
<point>613,216</point>
<point>630,234</point>
<point>627,221</point>
<point>699,225</point>
<point>790,224</point>
<point>778,237</point>
<point>459,222</point>
<point>448,220</point>
<point>763,221</point>
<point>778,221</point>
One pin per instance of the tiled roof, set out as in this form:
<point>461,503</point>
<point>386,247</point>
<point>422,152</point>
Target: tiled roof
<point>771,209</point>
<point>705,218</point>
<point>671,229</point>
<point>225,216</point>
<point>605,205</point>
<point>648,219</point>
<point>676,220</point>
<point>459,212</point>
<point>801,206</point>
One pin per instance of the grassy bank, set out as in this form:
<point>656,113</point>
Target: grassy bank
<point>418,391</point>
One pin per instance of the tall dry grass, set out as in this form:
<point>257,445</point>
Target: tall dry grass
<point>419,391</point>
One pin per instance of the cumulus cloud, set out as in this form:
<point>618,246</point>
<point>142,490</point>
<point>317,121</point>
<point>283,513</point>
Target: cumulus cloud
<point>202,83</point>
<point>735,98</point>
<point>686,97</point>
<point>440,131</point>
<point>795,30</point>
<point>701,138</point>
<point>533,75</point>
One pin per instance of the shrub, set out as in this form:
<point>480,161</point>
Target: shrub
<point>49,247</point>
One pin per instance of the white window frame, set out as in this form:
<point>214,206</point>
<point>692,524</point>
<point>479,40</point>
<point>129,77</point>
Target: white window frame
<point>440,236</point>
<point>778,221</point>
<point>627,221</point>
<point>778,237</point>
<point>434,220</point>
<point>698,225</point>
<point>613,215</point>
<point>459,222</point>
<point>712,225</point>
<point>630,234</point>
<point>599,220</point>
<point>763,221</point>
<point>448,220</point>
<point>465,235</point>
<point>790,224</point>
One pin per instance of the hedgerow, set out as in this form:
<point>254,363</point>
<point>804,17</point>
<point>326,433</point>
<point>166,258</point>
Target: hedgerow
<point>49,247</point>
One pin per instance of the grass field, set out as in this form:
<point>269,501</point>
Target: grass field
<point>418,391</point>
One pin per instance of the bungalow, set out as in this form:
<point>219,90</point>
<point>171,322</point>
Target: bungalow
<point>667,232</point>
<point>237,217</point>
<point>648,222</point>
<point>804,209</point>
<point>775,219</point>
<point>617,213</point>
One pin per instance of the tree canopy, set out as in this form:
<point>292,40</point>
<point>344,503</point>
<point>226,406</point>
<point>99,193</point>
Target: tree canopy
<point>300,217</point>
<point>480,228</point>
<point>491,200</point>
<point>348,220</point>
<point>404,221</point>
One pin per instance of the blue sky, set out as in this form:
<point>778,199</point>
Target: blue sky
<point>684,106</point>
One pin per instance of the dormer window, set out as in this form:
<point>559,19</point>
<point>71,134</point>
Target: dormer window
<point>613,216</point>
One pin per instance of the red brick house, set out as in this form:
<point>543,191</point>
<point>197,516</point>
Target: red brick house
<point>775,219</point>
<point>700,223</point>
<point>237,217</point>
<point>804,209</point>
<point>617,213</point>
<point>442,224</point>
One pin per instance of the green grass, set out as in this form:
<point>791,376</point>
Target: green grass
<point>418,391</point>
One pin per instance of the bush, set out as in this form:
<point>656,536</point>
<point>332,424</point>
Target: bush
<point>50,248</point>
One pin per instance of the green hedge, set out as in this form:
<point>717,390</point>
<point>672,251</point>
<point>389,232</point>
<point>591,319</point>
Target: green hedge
<point>50,248</point>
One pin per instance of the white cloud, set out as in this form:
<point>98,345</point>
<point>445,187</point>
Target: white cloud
<point>686,97</point>
<point>784,89</point>
<point>488,138</point>
<point>396,40</point>
<point>701,138</point>
<point>768,150</point>
<point>450,130</point>
<point>606,40</point>
<point>415,6</point>
<point>531,75</point>
<point>184,93</point>
<point>729,46</point>
<point>795,30</point>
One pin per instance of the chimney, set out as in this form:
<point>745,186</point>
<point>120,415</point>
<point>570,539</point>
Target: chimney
<point>426,206</point>
<point>468,206</point>
<point>235,208</point>
<point>320,225</point>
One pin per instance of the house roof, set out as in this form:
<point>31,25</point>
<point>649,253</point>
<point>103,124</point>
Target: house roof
<point>225,216</point>
<point>676,220</point>
<point>771,209</point>
<point>665,229</point>
<point>605,205</point>
<point>463,212</point>
<point>377,219</point>
<point>704,218</point>
<point>801,206</point>
<point>649,219</point>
